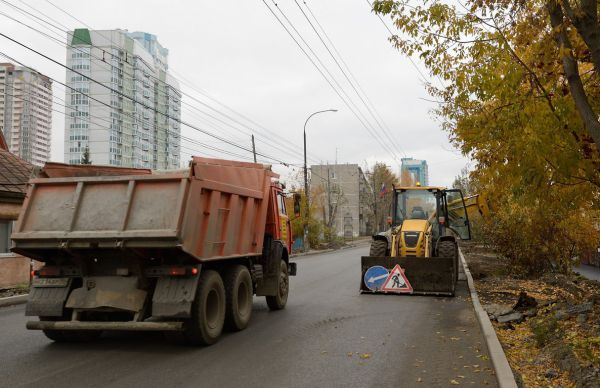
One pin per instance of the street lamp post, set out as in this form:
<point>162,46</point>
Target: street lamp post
<point>307,211</point>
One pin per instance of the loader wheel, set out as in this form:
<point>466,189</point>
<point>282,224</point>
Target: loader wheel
<point>278,302</point>
<point>378,248</point>
<point>238,291</point>
<point>208,312</point>
<point>449,249</point>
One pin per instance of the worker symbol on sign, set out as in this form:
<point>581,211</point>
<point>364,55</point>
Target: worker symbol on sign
<point>397,281</point>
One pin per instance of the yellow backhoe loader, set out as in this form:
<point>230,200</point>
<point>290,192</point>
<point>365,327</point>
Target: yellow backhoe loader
<point>419,253</point>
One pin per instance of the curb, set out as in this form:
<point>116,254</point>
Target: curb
<point>316,252</point>
<point>13,300</point>
<point>504,374</point>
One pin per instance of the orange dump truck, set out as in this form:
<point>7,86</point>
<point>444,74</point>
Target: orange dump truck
<point>130,249</point>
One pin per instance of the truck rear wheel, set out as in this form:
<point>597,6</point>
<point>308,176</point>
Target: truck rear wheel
<point>208,311</point>
<point>378,248</point>
<point>278,302</point>
<point>238,291</point>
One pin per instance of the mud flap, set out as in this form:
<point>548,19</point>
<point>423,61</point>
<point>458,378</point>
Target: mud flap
<point>173,297</point>
<point>47,297</point>
<point>419,276</point>
<point>108,291</point>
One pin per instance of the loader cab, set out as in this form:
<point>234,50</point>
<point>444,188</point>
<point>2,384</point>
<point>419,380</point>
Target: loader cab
<point>443,209</point>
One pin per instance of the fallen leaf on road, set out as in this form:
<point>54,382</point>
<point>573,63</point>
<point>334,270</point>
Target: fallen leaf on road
<point>454,338</point>
<point>419,380</point>
<point>460,377</point>
<point>365,356</point>
<point>476,366</point>
<point>350,354</point>
<point>454,382</point>
<point>323,351</point>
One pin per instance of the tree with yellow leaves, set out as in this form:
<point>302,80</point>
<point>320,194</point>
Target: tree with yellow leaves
<point>517,87</point>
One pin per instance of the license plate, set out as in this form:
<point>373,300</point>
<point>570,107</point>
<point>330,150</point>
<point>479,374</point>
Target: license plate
<point>50,282</point>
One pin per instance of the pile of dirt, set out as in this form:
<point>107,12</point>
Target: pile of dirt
<point>549,327</point>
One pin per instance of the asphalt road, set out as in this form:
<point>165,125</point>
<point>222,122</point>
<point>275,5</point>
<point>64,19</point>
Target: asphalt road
<point>329,335</point>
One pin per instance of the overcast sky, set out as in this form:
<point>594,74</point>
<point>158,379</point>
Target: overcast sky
<point>239,54</point>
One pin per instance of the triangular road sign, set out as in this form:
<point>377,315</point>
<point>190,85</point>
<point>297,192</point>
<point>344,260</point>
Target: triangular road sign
<point>397,281</point>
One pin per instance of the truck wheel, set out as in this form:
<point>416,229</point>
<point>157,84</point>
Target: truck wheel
<point>378,248</point>
<point>208,311</point>
<point>278,302</point>
<point>238,291</point>
<point>449,249</point>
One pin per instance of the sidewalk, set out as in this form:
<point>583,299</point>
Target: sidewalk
<point>588,271</point>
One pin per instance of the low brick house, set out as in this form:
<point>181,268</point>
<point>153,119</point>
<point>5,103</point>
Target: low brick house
<point>14,175</point>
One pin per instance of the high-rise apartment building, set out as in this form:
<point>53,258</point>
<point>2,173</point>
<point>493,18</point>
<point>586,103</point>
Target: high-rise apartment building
<point>133,118</point>
<point>26,112</point>
<point>418,170</point>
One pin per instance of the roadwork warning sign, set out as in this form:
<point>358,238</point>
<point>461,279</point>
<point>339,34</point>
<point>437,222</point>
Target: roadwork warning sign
<point>397,281</point>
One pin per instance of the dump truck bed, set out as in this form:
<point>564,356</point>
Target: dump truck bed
<point>147,215</point>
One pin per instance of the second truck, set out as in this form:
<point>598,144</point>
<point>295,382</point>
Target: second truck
<point>130,249</point>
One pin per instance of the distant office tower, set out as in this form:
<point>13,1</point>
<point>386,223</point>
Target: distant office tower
<point>26,112</point>
<point>417,169</point>
<point>136,124</point>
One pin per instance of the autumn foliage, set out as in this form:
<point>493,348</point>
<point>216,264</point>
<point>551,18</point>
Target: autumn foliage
<point>511,100</point>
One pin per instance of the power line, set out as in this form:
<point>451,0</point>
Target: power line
<point>371,111</point>
<point>272,139</point>
<point>87,141</point>
<point>373,131</point>
<point>135,101</point>
<point>423,77</point>
<point>325,77</point>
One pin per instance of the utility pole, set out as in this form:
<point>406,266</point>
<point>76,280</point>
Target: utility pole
<point>253,149</point>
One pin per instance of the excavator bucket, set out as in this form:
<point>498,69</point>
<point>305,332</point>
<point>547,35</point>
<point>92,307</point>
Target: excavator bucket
<point>409,275</point>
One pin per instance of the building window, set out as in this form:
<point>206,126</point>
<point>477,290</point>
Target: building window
<point>6,227</point>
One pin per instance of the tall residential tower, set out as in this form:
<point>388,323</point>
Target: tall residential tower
<point>132,119</point>
<point>26,112</point>
<point>417,169</point>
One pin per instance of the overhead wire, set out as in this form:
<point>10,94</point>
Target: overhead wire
<point>271,138</point>
<point>90,117</point>
<point>349,76</point>
<point>423,77</point>
<point>123,95</point>
<point>383,145</point>
<point>270,141</point>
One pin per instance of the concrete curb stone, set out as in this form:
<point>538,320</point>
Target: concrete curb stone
<point>504,374</point>
<point>13,300</point>
<point>316,252</point>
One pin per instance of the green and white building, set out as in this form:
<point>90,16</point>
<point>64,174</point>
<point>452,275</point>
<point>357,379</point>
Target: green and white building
<point>133,118</point>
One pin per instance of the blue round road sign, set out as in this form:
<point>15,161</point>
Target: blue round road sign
<point>375,277</point>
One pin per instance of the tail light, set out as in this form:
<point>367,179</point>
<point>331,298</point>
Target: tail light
<point>47,272</point>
